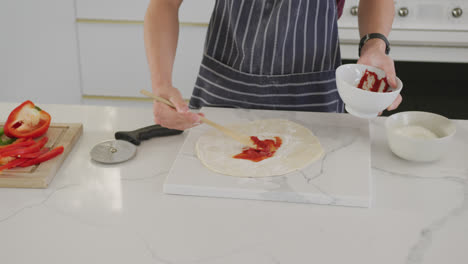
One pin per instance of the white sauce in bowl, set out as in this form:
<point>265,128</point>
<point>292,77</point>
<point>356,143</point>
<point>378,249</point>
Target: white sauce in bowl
<point>416,132</point>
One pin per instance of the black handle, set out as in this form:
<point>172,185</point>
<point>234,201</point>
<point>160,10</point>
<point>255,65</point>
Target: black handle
<point>135,137</point>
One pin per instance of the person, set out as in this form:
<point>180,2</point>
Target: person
<point>263,54</point>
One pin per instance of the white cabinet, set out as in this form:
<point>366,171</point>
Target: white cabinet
<point>113,60</point>
<point>188,58</point>
<point>196,11</point>
<point>191,11</point>
<point>112,53</point>
<point>38,52</point>
<point>111,9</point>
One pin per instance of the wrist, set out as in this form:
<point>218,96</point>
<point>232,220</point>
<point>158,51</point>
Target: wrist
<point>160,86</point>
<point>373,45</point>
<point>374,42</point>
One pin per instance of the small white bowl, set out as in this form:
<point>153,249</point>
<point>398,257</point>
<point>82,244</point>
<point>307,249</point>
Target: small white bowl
<point>415,148</point>
<point>359,102</point>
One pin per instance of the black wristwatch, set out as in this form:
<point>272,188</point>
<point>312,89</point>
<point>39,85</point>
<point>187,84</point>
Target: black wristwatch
<point>372,36</point>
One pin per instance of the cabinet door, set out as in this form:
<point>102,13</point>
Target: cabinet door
<point>188,58</point>
<point>113,60</point>
<point>111,9</point>
<point>38,52</point>
<point>191,11</point>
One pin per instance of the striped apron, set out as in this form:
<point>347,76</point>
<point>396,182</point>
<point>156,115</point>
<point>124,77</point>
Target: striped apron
<point>271,54</point>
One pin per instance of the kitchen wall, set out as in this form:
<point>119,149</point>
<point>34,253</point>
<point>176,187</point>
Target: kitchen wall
<point>92,51</point>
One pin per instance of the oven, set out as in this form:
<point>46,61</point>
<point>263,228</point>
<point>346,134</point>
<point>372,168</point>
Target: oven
<point>429,42</point>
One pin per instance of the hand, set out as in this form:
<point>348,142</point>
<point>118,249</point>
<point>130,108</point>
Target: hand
<point>373,54</point>
<point>180,118</point>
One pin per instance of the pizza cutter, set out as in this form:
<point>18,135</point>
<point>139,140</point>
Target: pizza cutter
<point>123,147</point>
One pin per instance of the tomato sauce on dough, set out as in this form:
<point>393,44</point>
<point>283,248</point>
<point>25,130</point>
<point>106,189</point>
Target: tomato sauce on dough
<point>265,149</point>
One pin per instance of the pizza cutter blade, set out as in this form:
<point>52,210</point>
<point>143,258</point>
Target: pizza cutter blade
<point>113,151</point>
<point>123,147</point>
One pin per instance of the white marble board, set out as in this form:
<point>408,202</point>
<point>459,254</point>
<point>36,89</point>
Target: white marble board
<point>340,177</point>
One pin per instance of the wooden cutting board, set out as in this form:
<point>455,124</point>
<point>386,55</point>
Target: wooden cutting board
<point>39,176</point>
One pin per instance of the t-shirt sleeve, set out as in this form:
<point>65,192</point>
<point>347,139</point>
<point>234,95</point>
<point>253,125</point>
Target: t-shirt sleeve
<point>340,5</point>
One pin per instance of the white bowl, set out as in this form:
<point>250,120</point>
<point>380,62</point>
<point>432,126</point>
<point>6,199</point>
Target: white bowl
<point>414,148</point>
<point>359,102</point>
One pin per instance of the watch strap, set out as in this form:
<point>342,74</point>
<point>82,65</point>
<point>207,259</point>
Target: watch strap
<point>372,36</point>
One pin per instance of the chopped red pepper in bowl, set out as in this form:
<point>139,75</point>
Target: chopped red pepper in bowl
<point>371,82</point>
<point>364,89</point>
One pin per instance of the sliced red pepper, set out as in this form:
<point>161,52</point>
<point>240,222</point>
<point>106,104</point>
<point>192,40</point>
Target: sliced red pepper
<point>24,143</point>
<point>35,154</point>
<point>13,164</point>
<point>4,140</point>
<point>44,157</point>
<point>27,121</point>
<point>25,150</point>
<point>19,140</point>
<point>20,151</point>
<point>40,143</point>
<point>5,160</point>
<point>371,82</point>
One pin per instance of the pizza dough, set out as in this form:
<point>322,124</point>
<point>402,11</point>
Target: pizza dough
<point>300,147</point>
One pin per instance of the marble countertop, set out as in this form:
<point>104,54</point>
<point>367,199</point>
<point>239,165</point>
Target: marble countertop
<point>93,213</point>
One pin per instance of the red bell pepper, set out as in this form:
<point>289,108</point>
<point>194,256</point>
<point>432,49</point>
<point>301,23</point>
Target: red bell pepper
<point>44,157</point>
<point>22,144</point>
<point>19,140</point>
<point>40,143</point>
<point>5,140</point>
<point>371,82</point>
<point>35,154</point>
<point>20,151</point>
<point>27,121</point>
<point>13,164</point>
<point>6,160</point>
<point>24,150</point>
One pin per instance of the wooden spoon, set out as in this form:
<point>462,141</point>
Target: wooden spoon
<point>239,137</point>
